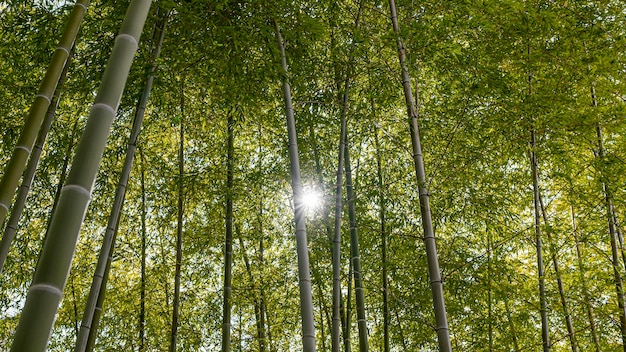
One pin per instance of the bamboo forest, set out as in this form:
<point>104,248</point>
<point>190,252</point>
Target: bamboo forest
<point>352,175</point>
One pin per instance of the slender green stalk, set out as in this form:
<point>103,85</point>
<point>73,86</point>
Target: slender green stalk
<point>581,274</point>
<point>228,241</point>
<point>306,299</point>
<point>98,283</point>
<point>336,327</point>
<point>50,277</point>
<point>142,301</point>
<point>31,168</point>
<point>608,199</point>
<point>97,314</point>
<point>257,306</point>
<point>179,226</point>
<point>545,337</point>
<point>315,272</point>
<point>336,333</point>
<point>383,235</point>
<point>436,283</point>
<point>262,308</point>
<point>545,329</point>
<point>42,101</point>
<point>559,280</point>
<point>489,289</point>
<point>356,257</point>
<point>74,305</point>
<point>620,238</point>
<point>265,319</point>
<point>348,320</point>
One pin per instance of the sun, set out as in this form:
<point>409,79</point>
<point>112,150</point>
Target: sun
<point>312,199</point>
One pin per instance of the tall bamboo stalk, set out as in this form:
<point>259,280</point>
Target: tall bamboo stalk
<point>608,199</point>
<point>583,282</point>
<point>228,241</point>
<point>315,272</point>
<point>306,299</point>
<point>142,299</point>
<point>50,277</point>
<point>383,237</point>
<point>356,257</point>
<point>400,330</point>
<point>42,101</point>
<point>98,310</point>
<point>545,337</point>
<point>347,347</point>
<point>260,326</point>
<point>489,289</point>
<point>31,168</point>
<point>106,250</point>
<point>559,280</point>
<point>436,283</point>
<point>179,226</point>
<point>610,211</point>
<point>336,327</point>
<point>262,309</point>
<point>336,333</point>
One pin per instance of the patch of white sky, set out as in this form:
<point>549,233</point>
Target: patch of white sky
<point>54,4</point>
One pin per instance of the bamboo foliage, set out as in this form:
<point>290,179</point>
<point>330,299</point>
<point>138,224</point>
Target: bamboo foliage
<point>38,109</point>
<point>45,292</point>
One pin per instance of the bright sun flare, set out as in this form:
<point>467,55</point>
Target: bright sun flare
<point>312,199</point>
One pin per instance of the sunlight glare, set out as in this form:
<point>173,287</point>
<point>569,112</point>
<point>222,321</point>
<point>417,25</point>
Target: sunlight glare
<point>312,199</point>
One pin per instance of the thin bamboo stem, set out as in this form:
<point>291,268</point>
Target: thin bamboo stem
<point>31,168</point>
<point>436,282</point>
<point>42,101</point>
<point>306,299</point>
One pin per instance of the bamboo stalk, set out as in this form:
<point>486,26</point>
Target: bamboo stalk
<point>306,297</point>
<point>436,283</point>
<point>50,277</point>
<point>42,101</point>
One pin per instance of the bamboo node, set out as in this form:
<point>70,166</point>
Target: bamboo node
<point>46,287</point>
<point>25,148</point>
<point>81,5</point>
<point>80,189</point>
<point>103,106</point>
<point>43,96</point>
<point>129,37</point>
<point>64,49</point>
